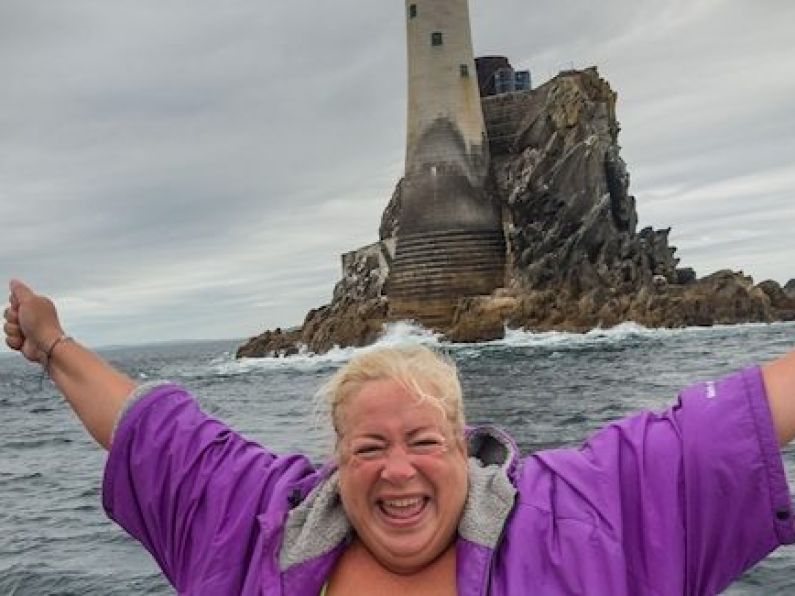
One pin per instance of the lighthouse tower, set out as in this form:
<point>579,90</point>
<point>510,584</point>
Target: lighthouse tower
<point>445,120</point>
<point>450,241</point>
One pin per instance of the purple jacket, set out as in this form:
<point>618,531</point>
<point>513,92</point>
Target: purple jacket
<point>680,502</point>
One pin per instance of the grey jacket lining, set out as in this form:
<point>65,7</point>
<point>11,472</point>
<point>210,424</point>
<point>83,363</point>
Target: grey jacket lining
<point>319,524</point>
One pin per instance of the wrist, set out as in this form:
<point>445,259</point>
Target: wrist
<point>46,340</point>
<point>52,348</point>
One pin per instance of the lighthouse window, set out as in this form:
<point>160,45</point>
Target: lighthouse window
<point>412,11</point>
<point>464,71</point>
<point>436,38</point>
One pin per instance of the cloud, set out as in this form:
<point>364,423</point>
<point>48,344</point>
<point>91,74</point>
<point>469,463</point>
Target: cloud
<point>189,169</point>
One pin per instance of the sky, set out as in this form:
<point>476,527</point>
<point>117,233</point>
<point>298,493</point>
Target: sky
<point>174,169</point>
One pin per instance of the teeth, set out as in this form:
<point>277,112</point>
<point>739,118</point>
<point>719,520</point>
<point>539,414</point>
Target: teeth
<point>402,502</point>
<point>403,509</point>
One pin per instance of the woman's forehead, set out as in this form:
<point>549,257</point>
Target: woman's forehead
<point>387,404</point>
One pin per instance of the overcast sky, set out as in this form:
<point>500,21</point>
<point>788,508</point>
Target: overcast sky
<point>174,169</point>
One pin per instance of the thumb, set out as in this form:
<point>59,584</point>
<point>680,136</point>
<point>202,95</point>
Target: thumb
<point>19,292</point>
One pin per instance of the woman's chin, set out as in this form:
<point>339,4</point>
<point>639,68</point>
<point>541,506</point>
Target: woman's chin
<point>408,552</point>
<point>407,563</point>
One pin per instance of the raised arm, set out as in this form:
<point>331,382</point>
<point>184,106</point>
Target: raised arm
<point>95,390</point>
<point>779,377</point>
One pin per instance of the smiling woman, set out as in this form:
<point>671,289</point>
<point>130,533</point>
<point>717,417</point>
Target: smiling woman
<point>402,458</point>
<point>414,502</point>
<point>402,476</point>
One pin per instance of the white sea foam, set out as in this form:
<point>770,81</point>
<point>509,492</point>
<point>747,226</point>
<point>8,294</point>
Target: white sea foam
<point>396,334</point>
<point>304,360</point>
<point>617,334</point>
<point>407,333</point>
<point>625,332</point>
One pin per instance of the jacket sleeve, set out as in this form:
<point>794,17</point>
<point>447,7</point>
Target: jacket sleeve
<point>191,490</point>
<point>698,492</point>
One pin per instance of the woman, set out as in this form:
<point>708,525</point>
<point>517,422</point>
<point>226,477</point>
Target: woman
<point>675,503</point>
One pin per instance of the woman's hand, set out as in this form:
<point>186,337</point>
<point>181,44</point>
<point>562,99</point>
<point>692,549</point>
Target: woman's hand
<point>95,390</point>
<point>32,324</point>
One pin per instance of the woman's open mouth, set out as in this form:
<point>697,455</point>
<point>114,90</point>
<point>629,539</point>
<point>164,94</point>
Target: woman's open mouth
<point>403,511</point>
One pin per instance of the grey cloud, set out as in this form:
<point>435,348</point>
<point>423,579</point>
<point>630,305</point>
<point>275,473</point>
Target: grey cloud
<point>190,169</point>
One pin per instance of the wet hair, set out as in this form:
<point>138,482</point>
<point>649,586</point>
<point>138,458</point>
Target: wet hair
<point>428,375</point>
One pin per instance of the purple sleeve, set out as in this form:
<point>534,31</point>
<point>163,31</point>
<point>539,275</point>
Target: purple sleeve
<point>191,490</point>
<point>694,496</point>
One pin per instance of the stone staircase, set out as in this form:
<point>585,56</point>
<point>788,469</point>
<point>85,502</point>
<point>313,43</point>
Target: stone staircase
<point>432,270</point>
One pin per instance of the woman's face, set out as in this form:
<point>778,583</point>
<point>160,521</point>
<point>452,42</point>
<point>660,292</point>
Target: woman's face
<point>403,475</point>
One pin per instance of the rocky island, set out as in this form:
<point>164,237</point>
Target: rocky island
<point>574,259</point>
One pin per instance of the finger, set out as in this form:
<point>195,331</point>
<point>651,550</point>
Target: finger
<point>19,292</point>
<point>15,343</point>
<point>12,330</point>
<point>31,352</point>
<point>11,315</point>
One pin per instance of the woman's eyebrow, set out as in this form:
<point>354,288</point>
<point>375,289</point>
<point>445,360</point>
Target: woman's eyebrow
<point>420,429</point>
<point>371,436</point>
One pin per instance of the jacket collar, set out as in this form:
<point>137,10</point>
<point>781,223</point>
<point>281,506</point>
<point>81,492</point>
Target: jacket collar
<point>319,525</point>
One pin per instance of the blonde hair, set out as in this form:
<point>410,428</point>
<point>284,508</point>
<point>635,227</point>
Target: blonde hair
<point>428,375</point>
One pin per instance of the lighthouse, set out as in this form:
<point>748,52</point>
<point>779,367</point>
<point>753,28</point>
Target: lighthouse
<point>450,241</point>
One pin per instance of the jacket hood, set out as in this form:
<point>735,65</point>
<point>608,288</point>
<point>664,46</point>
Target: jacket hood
<point>492,446</point>
<point>319,524</point>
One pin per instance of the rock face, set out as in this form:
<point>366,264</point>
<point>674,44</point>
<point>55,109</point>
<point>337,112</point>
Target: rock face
<point>725,297</point>
<point>574,257</point>
<point>572,222</point>
<point>342,323</point>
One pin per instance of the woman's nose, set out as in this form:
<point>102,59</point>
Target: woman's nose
<point>397,466</point>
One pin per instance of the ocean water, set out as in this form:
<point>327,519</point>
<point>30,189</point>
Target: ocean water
<point>547,389</point>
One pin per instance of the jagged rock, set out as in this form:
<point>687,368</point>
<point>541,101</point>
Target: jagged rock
<point>774,292</point>
<point>685,276</point>
<point>364,272</point>
<point>725,297</point>
<point>576,260</point>
<point>780,300</point>
<point>389,219</point>
<point>276,343</point>
<point>481,318</point>
<point>345,323</point>
<point>572,221</point>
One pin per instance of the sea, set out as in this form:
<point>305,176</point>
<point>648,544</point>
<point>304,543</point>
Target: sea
<point>548,389</point>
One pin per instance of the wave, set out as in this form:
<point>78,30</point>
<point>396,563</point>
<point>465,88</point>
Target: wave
<point>618,334</point>
<point>409,333</point>
<point>396,334</point>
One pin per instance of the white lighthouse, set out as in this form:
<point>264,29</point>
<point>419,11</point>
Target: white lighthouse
<point>450,242</point>
<point>445,119</point>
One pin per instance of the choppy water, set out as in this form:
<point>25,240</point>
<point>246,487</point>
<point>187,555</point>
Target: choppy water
<point>548,389</point>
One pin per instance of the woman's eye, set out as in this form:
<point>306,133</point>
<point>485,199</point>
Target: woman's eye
<point>368,451</point>
<point>426,444</point>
